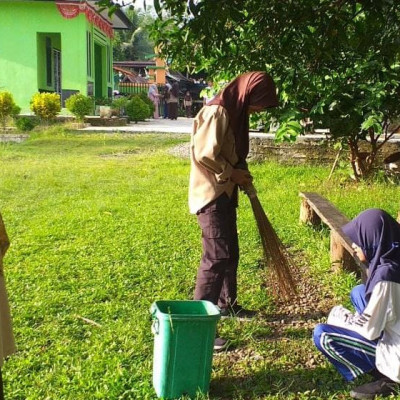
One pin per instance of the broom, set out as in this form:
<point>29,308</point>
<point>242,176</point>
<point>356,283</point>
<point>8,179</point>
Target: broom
<point>275,253</point>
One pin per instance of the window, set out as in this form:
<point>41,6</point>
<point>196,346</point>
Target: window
<point>49,56</point>
<point>89,52</point>
<point>109,77</point>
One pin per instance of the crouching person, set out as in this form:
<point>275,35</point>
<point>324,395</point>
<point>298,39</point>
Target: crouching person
<point>368,340</point>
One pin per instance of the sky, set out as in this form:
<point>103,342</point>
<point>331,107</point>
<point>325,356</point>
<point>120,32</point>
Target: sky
<point>138,3</point>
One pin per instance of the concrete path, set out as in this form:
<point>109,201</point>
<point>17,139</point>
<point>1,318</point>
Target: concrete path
<point>184,125</point>
<point>180,125</point>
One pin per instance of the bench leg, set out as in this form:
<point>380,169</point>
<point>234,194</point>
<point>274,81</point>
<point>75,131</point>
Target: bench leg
<point>341,259</point>
<point>308,215</point>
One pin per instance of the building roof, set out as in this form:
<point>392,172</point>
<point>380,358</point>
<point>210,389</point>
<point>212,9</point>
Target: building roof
<point>118,19</point>
<point>135,64</point>
<point>177,76</point>
<point>129,76</point>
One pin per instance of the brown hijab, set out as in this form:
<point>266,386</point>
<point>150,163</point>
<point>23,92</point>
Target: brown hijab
<point>175,89</point>
<point>250,89</point>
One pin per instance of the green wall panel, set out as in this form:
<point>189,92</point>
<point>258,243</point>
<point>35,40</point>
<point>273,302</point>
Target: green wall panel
<point>24,28</point>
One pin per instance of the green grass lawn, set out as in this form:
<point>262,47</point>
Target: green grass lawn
<point>100,229</point>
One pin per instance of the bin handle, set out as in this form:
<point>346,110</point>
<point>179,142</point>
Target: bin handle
<point>155,326</point>
<point>153,309</point>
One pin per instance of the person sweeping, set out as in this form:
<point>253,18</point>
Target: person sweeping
<point>219,147</point>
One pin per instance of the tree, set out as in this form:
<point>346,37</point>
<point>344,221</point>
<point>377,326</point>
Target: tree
<point>336,62</point>
<point>134,44</point>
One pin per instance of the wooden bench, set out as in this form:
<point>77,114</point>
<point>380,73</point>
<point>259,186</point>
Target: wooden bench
<point>315,210</point>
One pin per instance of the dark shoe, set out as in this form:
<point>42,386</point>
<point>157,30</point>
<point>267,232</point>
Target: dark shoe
<point>382,387</point>
<point>376,374</point>
<point>220,344</point>
<point>238,312</point>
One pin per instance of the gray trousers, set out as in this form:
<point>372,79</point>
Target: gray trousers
<point>217,273</point>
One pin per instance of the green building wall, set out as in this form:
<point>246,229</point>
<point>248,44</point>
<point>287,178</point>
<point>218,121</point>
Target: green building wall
<point>25,28</point>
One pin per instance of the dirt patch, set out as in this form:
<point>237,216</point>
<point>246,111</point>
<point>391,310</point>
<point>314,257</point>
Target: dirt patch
<point>122,154</point>
<point>291,321</point>
<point>181,150</point>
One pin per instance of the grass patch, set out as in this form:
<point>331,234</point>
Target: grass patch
<point>100,229</point>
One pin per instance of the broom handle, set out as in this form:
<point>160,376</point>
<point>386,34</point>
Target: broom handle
<point>250,190</point>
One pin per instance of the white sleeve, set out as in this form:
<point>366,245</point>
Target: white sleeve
<point>372,321</point>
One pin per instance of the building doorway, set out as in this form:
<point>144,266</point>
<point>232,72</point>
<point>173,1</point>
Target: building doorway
<point>99,90</point>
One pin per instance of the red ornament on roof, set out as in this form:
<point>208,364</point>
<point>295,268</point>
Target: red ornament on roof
<point>71,10</point>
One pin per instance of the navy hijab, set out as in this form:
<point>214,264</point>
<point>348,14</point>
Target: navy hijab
<point>378,235</point>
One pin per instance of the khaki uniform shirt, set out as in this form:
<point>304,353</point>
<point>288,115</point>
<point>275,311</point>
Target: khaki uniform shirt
<point>213,157</point>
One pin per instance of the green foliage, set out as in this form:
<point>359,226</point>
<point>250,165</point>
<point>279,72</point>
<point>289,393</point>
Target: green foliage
<point>8,108</point>
<point>137,109</point>
<point>15,111</point>
<point>79,105</point>
<point>103,101</point>
<point>288,130</point>
<point>26,124</point>
<point>46,105</point>
<point>144,97</point>
<point>336,63</point>
<point>120,104</point>
<point>208,92</point>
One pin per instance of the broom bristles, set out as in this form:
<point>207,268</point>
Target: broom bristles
<point>275,253</point>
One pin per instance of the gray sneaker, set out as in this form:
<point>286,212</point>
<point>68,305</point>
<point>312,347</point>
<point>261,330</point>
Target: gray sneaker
<point>382,387</point>
<point>220,344</point>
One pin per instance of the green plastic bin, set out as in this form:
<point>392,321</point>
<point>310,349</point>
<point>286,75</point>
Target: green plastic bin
<point>184,334</point>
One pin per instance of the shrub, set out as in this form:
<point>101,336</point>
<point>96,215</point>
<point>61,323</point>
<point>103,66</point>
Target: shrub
<point>143,96</point>
<point>120,105</point>
<point>26,124</point>
<point>15,111</point>
<point>102,101</point>
<point>137,109</point>
<point>79,105</point>
<point>46,105</point>
<point>8,108</point>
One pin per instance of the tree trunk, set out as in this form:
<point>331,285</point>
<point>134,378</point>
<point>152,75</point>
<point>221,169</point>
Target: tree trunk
<point>362,162</point>
<point>354,158</point>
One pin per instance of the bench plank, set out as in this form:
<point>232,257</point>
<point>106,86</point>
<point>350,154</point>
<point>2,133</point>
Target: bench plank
<point>328,213</point>
<point>332,217</point>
